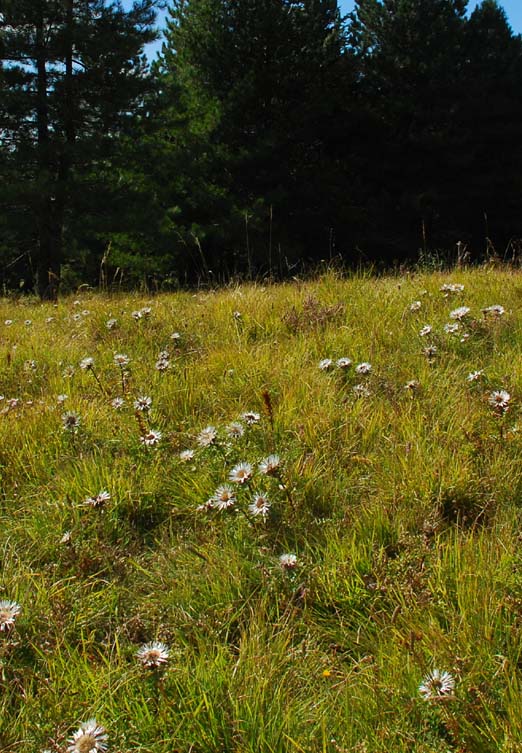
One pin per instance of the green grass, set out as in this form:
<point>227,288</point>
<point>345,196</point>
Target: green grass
<point>403,508</point>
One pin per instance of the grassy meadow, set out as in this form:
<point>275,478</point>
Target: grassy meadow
<point>217,537</point>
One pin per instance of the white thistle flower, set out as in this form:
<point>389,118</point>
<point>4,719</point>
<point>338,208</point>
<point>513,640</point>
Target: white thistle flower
<point>71,421</point>
<point>451,287</point>
<point>259,506</point>
<point>360,390</point>
<point>153,655</point>
<point>415,306</point>
<point>86,363</point>
<point>425,330</point>
<point>9,611</point>
<point>186,456</point>
<point>162,364</point>
<point>223,498</point>
<point>207,436</point>
<point>235,430</point>
<point>495,311</point>
<point>143,403</point>
<point>89,738</point>
<point>288,561</point>
<point>430,351</point>
<point>363,368</point>
<point>99,500</point>
<point>474,376</point>
<point>343,363</point>
<point>120,359</point>
<point>499,400</point>
<point>460,313</point>
<point>111,323</point>
<point>251,418</point>
<point>117,403</point>
<point>270,466</point>
<point>326,364</point>
<point>451,328</point>
<point>151,438</point>
<point>241,473</point>
<point>436,685</point>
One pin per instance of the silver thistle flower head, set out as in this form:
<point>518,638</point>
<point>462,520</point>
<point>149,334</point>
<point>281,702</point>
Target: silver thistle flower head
<point>499,400</point>
<point>153,655</point>
<point>288,561</point>
<point>151,438</point>
<point>460,313</point>
<point>89,738</point>
<point>259,506</point>
<point>99,500</point>
<point>495,311</point>
<point>71,422</point>
<point>251,417</point>
<point>235,430</point>
<point>451,287</point>
<point>9,611</point>
<point>143,403</point>
<point>325,364</point>
<point>121,359</point>
<point>86,363</point>
<point>270,465</point>
<point>437,684</point>
<point>241,473</point>
<point>223,498</point>
<point>207,436</point>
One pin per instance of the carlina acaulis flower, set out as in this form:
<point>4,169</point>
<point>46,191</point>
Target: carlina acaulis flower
<point>153,655</point>
<point>91,737</point>
<point>9,611</point>
<point>437,684</point>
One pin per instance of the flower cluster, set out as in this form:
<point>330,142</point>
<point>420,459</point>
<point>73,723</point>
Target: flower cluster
<point>225,496</point>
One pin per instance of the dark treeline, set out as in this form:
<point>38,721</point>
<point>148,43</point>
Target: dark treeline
<point>269,134</point>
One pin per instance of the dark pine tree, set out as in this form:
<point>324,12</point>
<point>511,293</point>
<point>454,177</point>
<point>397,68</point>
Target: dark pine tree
<point>490,121</point>
<point>257,81</point>
<point>410,58</point>
<point>72,77</point>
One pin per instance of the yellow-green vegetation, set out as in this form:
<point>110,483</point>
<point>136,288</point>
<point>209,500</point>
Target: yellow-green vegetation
<point>274,553</point>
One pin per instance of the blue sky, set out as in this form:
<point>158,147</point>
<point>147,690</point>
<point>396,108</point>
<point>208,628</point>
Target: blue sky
<point>513,10</point>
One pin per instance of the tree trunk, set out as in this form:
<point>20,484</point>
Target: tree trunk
<point>49,252</point>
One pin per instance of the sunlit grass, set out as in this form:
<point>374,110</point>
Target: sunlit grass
<point>400,501</point>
